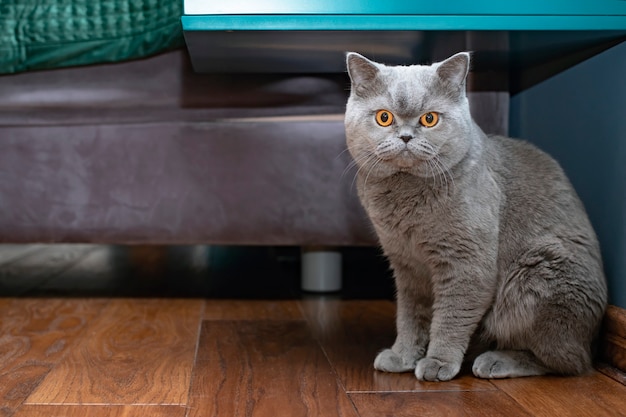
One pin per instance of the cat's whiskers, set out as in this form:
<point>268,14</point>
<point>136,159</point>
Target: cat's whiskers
<point>371,160</point>
<point>445,173</point>
<point>440,174</point>
<point>362,162</point>
<point>341,153</point>
<point>437,174</point>
<point>348,168</point>
<point>378,161</point>
<point>437,168</point>
<point>354,163</point>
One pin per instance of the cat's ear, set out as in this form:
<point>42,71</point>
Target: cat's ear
<point>363,74</point>
<point>454,69</point>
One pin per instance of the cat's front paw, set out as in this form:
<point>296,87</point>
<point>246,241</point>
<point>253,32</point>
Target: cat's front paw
<point>390,361</point>
<point>431,369</point>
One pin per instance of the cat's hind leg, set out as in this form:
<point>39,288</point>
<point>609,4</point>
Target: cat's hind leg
<point>552,345</point>
<point>555,350</point>
<point>507,364</point>
<point>546,314</point>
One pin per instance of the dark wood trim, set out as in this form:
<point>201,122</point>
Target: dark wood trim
<point>613,344</point>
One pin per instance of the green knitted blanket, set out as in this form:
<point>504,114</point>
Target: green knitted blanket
<point>41,34</point>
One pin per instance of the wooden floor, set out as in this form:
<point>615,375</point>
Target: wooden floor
<point>91,331</point>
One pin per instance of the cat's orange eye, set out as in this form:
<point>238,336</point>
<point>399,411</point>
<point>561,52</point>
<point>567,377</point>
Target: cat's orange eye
<point>384,118</point>
<point>429,119</point>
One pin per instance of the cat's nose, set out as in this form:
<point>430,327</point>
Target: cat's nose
<point>406,138</point>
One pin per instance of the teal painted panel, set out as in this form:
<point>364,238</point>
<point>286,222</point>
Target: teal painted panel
<point>382,22</point>
<point>408,7</point>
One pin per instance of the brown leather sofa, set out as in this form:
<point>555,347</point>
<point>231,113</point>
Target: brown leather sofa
<point>148,151</point>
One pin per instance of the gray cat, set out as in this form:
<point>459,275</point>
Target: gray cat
<point>486,237</point>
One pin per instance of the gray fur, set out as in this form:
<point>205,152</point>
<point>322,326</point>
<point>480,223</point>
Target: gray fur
<point>485,235</point>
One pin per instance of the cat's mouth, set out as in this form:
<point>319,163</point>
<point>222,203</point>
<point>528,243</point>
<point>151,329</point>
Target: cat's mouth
<point>405,155</point>
<point>403,158</point>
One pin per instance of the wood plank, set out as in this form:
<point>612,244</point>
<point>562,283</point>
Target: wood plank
<point>612,372</point>
<point>264,369</point>
<point>615,321</point>
<point>139,351</point>
<point>614,350</point>
<point>100,411</point>
<point>593,395</point>
<point>35,335</point>
<point>218,309</point>
<point>613,338</point>
<point>436,404</point>
<point>353,332</point>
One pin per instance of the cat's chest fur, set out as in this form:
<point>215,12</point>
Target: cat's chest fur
<point>434,222</point>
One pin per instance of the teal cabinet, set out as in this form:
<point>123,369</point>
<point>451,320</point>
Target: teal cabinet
<point>312,36</point>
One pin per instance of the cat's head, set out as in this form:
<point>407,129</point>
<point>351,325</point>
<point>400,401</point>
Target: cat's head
<point>412,119</point>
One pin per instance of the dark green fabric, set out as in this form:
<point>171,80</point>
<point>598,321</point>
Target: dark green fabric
<point>41,34</point>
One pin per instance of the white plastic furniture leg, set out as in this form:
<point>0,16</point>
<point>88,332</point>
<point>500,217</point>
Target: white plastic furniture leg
<point>321,270</point>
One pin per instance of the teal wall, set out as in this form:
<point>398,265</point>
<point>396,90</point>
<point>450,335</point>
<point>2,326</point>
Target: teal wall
<point>579,117</point>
